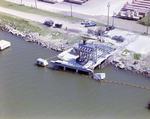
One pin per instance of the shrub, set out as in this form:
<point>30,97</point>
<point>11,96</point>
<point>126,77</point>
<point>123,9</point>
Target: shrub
<point>126,50</point>
<point>137,56</point>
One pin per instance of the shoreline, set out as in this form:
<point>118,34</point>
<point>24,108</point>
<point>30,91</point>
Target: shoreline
<point>37,38</point>
<point>128,66</point>
<point>50,45</point>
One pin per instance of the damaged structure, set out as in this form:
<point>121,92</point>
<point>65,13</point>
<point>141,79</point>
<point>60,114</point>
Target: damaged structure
<point>85,56</point>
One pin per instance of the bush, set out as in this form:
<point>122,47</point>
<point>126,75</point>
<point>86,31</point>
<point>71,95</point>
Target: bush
<point>144,21</point>
<point>126,50</point>
<point>144,33</point>
<point>137,56</point>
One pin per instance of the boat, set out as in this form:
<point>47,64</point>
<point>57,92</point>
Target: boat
<point>42,62</point>
<point>99,76</point>
<point>4,44</point>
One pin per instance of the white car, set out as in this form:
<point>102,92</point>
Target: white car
<point>85,22</point>
<point>106,34</point>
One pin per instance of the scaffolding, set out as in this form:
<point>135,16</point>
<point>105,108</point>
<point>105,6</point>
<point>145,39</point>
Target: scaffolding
<point>87,52</point>
<point>93,51</point>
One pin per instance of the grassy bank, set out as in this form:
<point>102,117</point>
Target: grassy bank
<point>33,10</point>
<point>19,24</point>
<point>27,26</point>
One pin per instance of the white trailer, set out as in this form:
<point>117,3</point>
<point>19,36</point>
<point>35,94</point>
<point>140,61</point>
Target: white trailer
<point>99,76</point>
<point>4,44</point>
<point>42,62</point>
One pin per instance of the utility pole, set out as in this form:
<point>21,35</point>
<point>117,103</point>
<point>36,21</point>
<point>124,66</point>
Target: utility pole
<point>113,19</point>
<point>21,2</point>
<point>71,9</point>
<point>35,3</point>
<point>148,20</point>
<point>108,14</point>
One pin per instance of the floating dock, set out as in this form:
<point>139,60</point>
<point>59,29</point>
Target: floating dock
<point>99,76</point>
<point>85,56</point>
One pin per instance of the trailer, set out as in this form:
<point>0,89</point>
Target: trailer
<point>4,44</point>
<point>99,76</point>
<point>130,15</point>
<point>41,62</point>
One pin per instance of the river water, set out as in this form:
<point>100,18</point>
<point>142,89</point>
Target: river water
<point>31,92</point>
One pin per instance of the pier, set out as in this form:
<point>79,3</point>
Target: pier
<point>85,56</point>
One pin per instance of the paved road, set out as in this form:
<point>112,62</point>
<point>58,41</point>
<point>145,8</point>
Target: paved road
<point>81,12</point>
<point>92,7</point>
<point>73,26</point>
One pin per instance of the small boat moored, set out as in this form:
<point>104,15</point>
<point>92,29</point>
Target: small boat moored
<point>42,62</point>
<point>4,44</point>
<point>99,76</point>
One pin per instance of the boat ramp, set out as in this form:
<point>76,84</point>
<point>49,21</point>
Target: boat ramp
<point>85,56</point>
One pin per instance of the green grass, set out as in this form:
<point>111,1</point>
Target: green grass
<point>126,50</point>
<point>28,26</point>
<point>27,9</point>
<point>57,35</point>
<point>100,24</point>
<point>110,43</point>
<point>137,56</point>
<point>19,24</point>
<point>144,34</point>
<point>122,59</point>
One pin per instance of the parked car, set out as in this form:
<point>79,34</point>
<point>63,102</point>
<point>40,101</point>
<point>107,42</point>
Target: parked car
<point>118,38</point>
<point>110,28</point>
<point>48,22</point>
<point>106,34</point>
<point>58,25</point>
<point>90,24</point>
<point>85,22</point>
